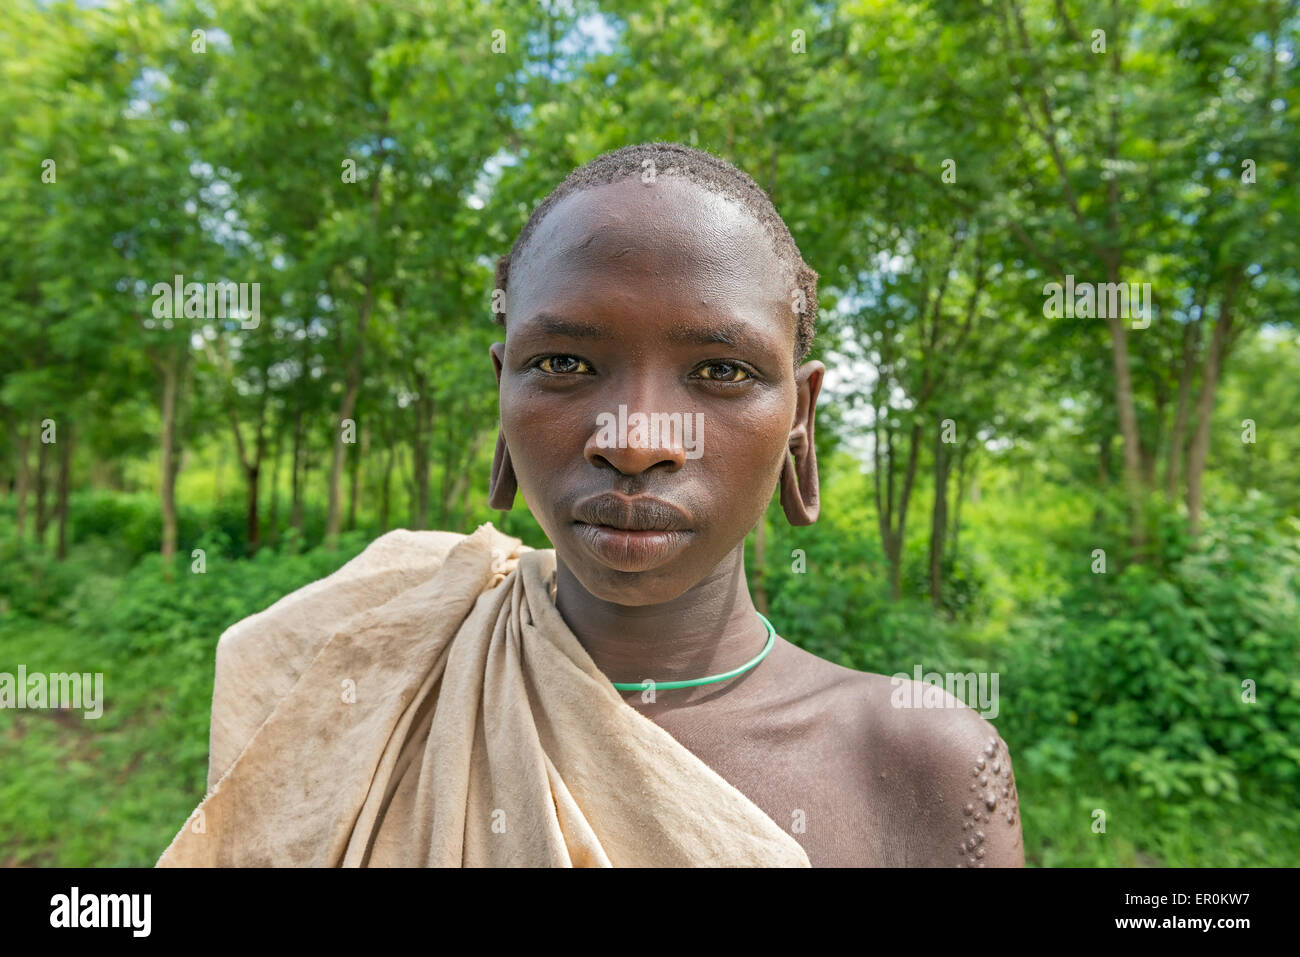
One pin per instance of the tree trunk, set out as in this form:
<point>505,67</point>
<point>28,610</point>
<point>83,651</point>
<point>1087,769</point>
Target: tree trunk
<point>938,519</point>
<point>420,452</point>
<point>296,474</point>
<point>1178,437</point>
<point>24,444</point>
<point>353,478</point>
<point>219,474</point>
<point>346,410</point>
<point>408,479</point>
<point>386,490</point>
<point>955,537</point>
<point>252,469</point>
<point>42,517</point>
<point>170,391</point>
<point>897,535</point>
<point>273,520</point>
<point>253,527</point>
<point>1150,453</point>
<point>1128,426</point>
<point>887,513</point>
<point>353,384</point>
<point>1205,405</point>
<point>448,466</point>
<point>884,462</point>
<point>460,487</point>
<point>909,480</point>
<point>65,470</point>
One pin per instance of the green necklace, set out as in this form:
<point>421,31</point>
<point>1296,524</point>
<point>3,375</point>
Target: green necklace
<point>639,685</point>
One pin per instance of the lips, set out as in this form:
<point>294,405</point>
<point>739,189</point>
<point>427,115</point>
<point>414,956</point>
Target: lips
<point>635,514</point>
<point>631,534</point>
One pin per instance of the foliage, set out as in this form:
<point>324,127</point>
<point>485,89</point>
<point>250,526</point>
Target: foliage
<point>1179,685</point>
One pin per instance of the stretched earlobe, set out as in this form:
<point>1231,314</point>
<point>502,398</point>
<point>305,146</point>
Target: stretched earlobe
<point>504,484</point>
<point>799,488</point>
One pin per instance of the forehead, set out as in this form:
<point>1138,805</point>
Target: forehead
<point>673,235</point>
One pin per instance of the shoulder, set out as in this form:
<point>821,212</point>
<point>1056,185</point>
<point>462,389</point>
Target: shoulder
<point>944,773</point>
<point>933,777</point>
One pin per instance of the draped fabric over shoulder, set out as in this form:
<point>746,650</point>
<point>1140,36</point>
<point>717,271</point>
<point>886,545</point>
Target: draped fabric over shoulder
<point>426,705</point>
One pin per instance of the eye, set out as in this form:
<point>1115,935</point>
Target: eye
<point>724,372</point>
<point>562,365</point>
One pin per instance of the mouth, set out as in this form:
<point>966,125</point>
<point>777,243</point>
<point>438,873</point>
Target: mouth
<point>631,534</point>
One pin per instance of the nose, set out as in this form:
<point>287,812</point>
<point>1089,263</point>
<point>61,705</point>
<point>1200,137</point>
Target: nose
<point>631,439</point>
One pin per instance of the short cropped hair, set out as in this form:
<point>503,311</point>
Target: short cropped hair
<point>709,171</point>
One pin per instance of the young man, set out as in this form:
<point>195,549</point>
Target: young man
<point>617,700</point>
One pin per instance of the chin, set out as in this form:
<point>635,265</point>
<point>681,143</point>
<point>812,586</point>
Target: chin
<point>652,587</point>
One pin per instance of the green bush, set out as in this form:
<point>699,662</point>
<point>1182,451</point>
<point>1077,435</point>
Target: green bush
<point>132,523</point>
<point>1152,674</point>
<point>33,584</point>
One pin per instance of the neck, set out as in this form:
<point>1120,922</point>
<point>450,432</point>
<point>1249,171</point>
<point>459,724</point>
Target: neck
<point>708,629</point>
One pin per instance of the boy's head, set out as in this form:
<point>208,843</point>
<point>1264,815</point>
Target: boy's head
<point>649,402</point>
<point>649,161</point>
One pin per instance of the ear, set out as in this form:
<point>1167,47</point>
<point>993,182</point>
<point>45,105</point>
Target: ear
<point>503,485</point>
<point>799,490</point>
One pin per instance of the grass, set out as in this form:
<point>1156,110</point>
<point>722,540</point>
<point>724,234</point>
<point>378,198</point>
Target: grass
<point>80,792</point>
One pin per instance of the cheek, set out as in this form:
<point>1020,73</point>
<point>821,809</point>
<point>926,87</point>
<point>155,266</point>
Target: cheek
<point>545,438</point>
<point>522,422</point>
<point>748,450</point>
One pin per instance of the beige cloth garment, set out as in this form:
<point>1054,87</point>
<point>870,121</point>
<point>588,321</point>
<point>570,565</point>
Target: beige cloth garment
<point>427,705</point>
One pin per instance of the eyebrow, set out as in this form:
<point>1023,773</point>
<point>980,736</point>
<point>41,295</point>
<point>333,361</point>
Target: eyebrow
<point>724,331</point>
<point>553,325</point>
